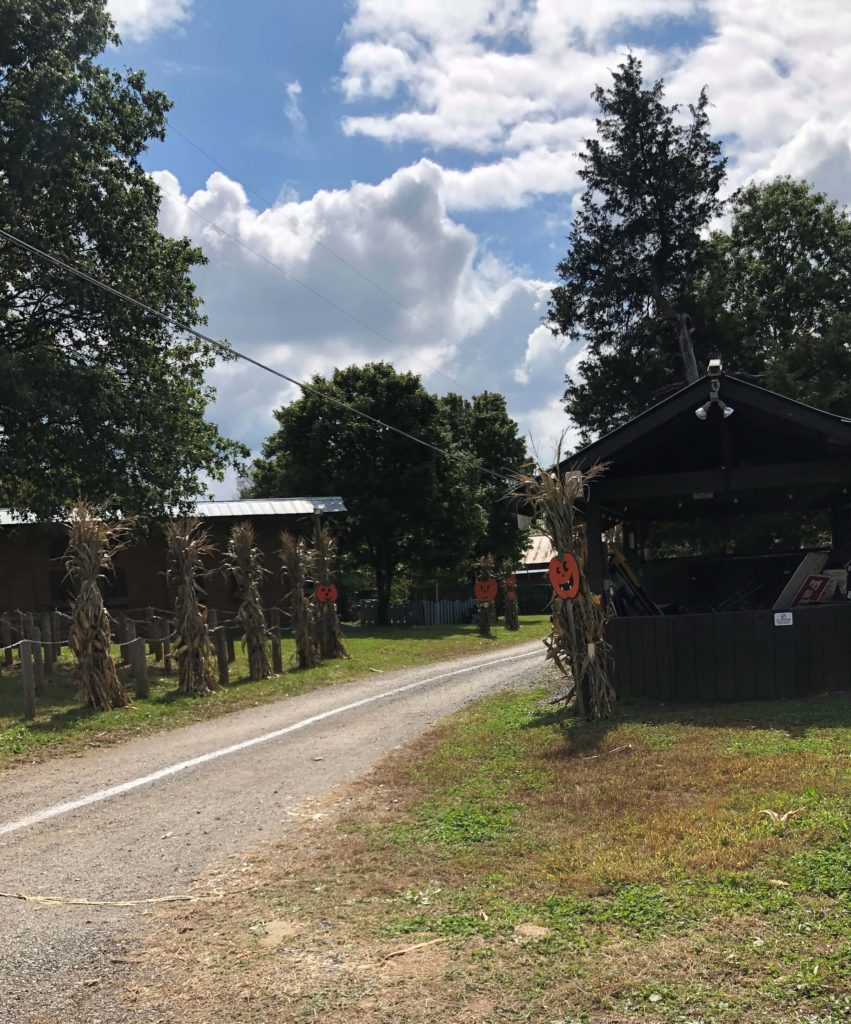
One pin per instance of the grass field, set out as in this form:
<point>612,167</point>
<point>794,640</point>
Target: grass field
<point>509,869</point>
<point>62,725</point>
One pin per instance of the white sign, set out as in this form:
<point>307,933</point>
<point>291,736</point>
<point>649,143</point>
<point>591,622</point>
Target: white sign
<point>783,619</point>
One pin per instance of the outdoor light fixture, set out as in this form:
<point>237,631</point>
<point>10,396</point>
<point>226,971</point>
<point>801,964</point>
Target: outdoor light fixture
<point>713,371</point>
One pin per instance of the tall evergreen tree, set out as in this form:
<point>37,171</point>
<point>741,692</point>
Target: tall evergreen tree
<point>652,177</point>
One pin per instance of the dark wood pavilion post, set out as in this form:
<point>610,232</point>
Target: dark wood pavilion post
<point>596,555</point>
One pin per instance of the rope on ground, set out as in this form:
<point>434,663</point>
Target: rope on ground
<point>82,902</point>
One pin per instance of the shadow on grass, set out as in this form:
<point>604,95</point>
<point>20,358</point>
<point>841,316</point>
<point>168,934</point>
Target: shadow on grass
<point>794,718</point>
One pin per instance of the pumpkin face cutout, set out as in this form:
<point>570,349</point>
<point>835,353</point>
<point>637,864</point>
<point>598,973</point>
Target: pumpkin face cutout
<point>485,590</point>
<point>510,582</point>
<point>326,592</point>
<point>564,575</point>
<point>511,595</point>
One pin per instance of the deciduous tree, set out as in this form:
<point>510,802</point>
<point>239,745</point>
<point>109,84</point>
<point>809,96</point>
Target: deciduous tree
<point>97,397</point>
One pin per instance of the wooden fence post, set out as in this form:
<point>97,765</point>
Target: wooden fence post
<point>38,660</point>
<point>49,649</point>
<point>221,657</point>
<point>6,640</point>
<point>57,633</point>
<point>122,633</point>
<point>142,687</point>
<point>28,679</point>
<point>277,660</point>
<point>168,668</point>
<point>230,647</point>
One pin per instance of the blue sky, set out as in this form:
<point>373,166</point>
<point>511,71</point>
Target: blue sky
<point>431,144</point>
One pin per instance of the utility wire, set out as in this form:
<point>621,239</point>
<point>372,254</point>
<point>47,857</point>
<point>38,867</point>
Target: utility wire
<point>306,286</point>
<point>228,350</point>
<point>299,228</point>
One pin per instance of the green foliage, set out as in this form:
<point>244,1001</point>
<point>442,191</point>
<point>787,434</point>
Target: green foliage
<point>96,397</point>
<point>411,510</point>
<point>652,180</point>
<point>482,426</point>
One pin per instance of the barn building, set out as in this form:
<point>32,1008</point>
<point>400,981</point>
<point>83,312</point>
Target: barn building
<point>32,576</point>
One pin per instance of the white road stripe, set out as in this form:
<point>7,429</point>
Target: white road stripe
<point>213,755</point>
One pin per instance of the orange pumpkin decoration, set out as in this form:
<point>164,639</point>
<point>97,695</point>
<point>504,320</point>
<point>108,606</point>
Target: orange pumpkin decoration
<point>326,592</point>
<point>485,590</point>
<point>564,575</point>
<point>510,582</point>
<point>511,595</point>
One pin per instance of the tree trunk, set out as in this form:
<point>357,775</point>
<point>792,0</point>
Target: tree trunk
<point>383,583</point>
<point>686,348</point>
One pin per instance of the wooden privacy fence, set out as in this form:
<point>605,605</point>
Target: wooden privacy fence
<point>732,656</point>
<point>421,613</point>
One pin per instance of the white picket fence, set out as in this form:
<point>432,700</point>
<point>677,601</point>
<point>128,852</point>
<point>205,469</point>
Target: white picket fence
<point>421,613</point>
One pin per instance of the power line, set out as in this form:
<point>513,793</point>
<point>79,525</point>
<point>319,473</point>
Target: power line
<point>227,349</point>
<point>306,286</point>
<point>342,259</point>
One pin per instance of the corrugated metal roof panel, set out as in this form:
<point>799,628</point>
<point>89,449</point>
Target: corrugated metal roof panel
<point>540,550</point>
<point>268,507</point>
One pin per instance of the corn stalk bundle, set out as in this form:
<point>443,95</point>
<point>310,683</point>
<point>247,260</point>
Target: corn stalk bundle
<point>329,637</point>
<point>298,563</point>
<point>244,562</point>
<point>512,618</point>
<point>576,641</point>
<point>92,543</point>
<point>188,546</point>
<point>485,613</point>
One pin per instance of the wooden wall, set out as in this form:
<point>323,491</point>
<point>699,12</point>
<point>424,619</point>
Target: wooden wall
<point>732,656</point>
<point>28,557</point>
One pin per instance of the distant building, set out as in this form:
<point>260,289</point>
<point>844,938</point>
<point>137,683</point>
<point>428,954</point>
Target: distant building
<point>32,573</point>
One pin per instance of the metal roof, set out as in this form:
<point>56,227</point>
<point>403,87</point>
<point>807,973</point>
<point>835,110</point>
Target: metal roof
<point>235,509</point>
<point>268,507</point>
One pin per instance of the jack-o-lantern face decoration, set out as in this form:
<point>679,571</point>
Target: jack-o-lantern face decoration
<point>510,582</point>
<point>511,595</point>
<point>485,590</point>
<point>564,575</point>
<point>326,592</point>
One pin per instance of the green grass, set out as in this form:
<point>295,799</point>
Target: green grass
<point>639,844</point>
<point>62,725</point>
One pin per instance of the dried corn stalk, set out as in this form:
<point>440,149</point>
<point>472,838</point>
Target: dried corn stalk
<point>244,562</point>
<point>298,564</point>
<point>576,641</point>
<point>329,637</point>
<point>188,546</point>
<point>92,543</point>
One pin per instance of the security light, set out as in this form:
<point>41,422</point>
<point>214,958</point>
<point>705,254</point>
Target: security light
<point>703,411</point>
<point>728,411</point>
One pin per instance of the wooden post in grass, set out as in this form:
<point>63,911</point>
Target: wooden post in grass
<point>231,650</point>
<point>28,679</point>
<point>277,659</point>
<point>27,627</point>
<point>138,667</point>
<point>141,683</point>
<point>38,660</point>
<point>6,640</point>
<point>156,648</point>
<point>220,645</point>
<point>168,668</point>
<point>121,634</point>
<point>56,618</point>
<point>47,639</point>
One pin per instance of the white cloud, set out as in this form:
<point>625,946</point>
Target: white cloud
<point>139,19</point>
<point>292,110</point>
<point>471,312</point>
<point>510,81</point>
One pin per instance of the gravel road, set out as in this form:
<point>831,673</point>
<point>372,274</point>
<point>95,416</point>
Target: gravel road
<point>137,821</point>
